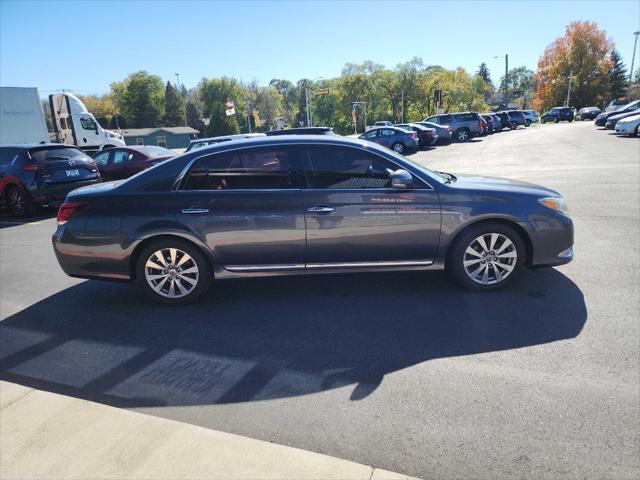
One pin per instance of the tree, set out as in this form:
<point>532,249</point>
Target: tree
<point>268,106</point>
<point>215,93</point>
<point>173,106</point>
<point>290,98</point>
<point>581,57</point>
<point>194,117</point>
<point>483,71</point>
<point>635,85</point>
<point>140,99</point>
<point>617,76</point>
<point>520,83</point>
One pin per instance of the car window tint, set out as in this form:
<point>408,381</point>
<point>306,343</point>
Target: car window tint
<point>43,155</point>
<point>121,157</point>
<point>370,134</point>
<point>464,117</point>
<point>345,168</point>
<point>255,169</point>
<point>445,119</point>
<point>386,132</point>
<point>102,158</point>
<point>7,155</point>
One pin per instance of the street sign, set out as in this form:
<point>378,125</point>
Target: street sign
<point>322,91</point>
<point>230,111</point>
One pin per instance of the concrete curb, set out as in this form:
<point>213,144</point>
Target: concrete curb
<point>46,435</point>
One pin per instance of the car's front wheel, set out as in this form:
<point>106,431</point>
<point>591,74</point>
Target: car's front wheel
<point>527,123</point>
<point>173,272</point>
<point>486,257</point>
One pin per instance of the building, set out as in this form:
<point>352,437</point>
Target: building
<point>167,137</point>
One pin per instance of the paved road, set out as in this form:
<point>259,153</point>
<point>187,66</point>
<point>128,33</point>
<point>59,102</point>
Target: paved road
<point>399,371</point>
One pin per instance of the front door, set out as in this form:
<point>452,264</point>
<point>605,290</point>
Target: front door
<point>353,215</point>
<point>246,206</point>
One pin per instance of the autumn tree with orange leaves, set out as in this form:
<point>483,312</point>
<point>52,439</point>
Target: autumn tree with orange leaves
<point>584,53</point>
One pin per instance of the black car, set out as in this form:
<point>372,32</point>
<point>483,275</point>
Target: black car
<point>516,118</point>
<point>306,204</point>
<point>302,131</point>
<point>558,114</point>
<point>42,174</point>
<point>588,113</point>
<point>602,118</point>
<point>505,121</point>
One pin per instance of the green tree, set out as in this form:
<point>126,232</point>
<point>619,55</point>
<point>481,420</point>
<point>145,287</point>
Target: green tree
<point>194,117</point>
<point>290,98</point>
<point>215,93</point>
<point>483,71</point>
<point>174,106</point>
<point>520,84</point>
<point>140,99</point>
<point>268,106</point>
<point>617,76</point>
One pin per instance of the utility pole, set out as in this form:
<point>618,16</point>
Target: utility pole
<point>179,93</point>
<point>569,89</point>
<point>635,43</point>
<point>306,97</point>
<point>402,118</point>
<point>506,80</point>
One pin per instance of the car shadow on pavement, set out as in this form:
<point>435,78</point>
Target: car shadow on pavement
<point>7,220</point>
<point>265,338</point>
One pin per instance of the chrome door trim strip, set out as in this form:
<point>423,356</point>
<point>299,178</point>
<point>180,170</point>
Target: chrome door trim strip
<point>264,268</point>
<point>405,263</point>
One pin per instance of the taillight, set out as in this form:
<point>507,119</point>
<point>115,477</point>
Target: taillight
<point>67,210</point>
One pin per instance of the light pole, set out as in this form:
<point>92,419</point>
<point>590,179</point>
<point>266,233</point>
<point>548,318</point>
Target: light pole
<point>308,99</point>
<point>635,43</point>
<point>506,78</point>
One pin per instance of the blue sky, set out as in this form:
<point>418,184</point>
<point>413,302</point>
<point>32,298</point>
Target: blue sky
<point>85,45</point>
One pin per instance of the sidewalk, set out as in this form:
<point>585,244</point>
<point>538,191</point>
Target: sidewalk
<point>45,435</point>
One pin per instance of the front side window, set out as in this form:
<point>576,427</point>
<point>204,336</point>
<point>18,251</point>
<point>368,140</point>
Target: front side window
<point>121,156</point>
<point>344,168</point>
<point>88,123</point>
<point>432,120</point>
<point>252,169</point>
<point>102,158</point>
<point>371,134</point>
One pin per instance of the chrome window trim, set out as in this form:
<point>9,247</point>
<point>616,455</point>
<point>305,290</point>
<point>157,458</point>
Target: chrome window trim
<point>238,146</point>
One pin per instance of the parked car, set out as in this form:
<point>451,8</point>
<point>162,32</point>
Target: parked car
<point>602,118</point>
<point>614,119</point>
<point>530,116</point>
<point>444,132</point>
<point>42,174</point>
<point>465,125</point>
<point>397,139</point>
<point>558,114</point>
<point>491,126</point>
<point>383,123</point>
<point>205,142</point>
<point>505,121</point>
<point>123,162</point>
<point>366,208</point>
<point>629,126</point>
<point>497,122</point>
<point>588,113</point>
<point>302,131</point>
<point>516,118</point>
<point>427,136</point>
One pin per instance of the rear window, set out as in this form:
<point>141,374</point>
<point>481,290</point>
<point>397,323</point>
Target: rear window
<point>465,117</point>
<point>43,155</point>
<point>7,155</point>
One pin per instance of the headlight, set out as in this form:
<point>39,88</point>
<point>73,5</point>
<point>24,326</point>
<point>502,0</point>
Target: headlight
<point>555,203</point>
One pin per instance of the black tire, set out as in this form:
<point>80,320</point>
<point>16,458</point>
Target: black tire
<point>203,274</point>
<point>556,120</point>
<point>527,123</point>
<point>19,202</point>
<point>542,120</point>
<point>398,147</point>
<point>570,120</point>
<point>456,257</point>
<point>637,132</point>
<point>462,135</point>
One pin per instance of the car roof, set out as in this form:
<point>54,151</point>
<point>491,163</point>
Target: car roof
<point>299,131</point>
<point>227,137</point>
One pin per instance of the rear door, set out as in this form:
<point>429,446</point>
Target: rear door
<point>387,137</point>
<point>353,215</point>
<point>246,205</point>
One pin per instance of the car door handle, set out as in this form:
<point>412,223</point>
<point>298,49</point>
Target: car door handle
<point>320,209</point>
<point>195,210</point>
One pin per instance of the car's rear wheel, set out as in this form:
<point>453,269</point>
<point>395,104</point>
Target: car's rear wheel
<point>19,202</point>
<point>486,257</point>
<point>462,135</point>
<point>398,147</point>
<point>173,272</point>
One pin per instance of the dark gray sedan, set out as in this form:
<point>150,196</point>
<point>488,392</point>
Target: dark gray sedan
<point>305,204</point>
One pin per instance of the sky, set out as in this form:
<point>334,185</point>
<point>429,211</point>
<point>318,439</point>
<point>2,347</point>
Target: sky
<point>83,46</point>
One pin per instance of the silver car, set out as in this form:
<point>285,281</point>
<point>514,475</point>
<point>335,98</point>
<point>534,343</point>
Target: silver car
<point>465,125</point>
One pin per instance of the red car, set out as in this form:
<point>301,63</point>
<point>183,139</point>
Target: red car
<point>123,162</point>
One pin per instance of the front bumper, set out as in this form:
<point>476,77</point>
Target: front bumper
<point>624,129</point>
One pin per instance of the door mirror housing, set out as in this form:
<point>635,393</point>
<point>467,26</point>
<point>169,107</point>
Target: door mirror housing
<point>401,179</point>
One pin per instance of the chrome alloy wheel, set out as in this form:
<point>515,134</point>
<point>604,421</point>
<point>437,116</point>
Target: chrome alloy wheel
<point>171,272</point>
<point>490,258</point>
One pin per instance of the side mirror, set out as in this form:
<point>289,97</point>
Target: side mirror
<point>401,179</point>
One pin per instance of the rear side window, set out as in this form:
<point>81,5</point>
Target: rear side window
<point>43,155</point>
<point>7,155</point>
<point>344,168</point>
<point>445,119</point>
<point>465,117</point>
<point>252,169</point>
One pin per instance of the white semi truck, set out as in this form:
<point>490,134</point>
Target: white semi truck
<point>22,121</point>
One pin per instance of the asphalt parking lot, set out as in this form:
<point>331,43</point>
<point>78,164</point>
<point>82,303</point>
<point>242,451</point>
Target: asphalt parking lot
<point>401,371</point>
